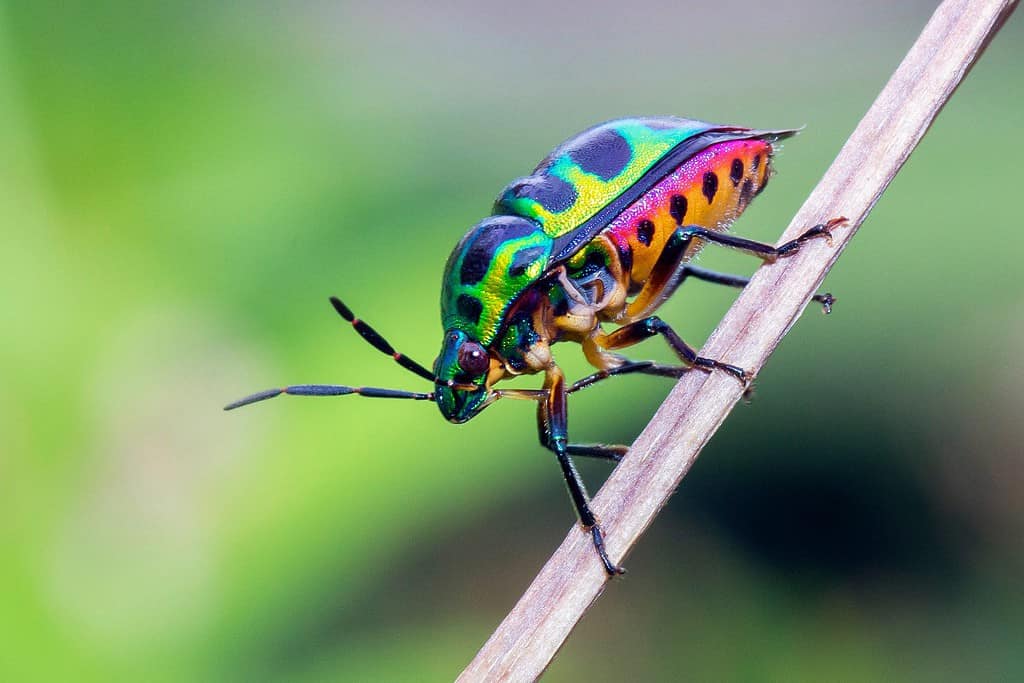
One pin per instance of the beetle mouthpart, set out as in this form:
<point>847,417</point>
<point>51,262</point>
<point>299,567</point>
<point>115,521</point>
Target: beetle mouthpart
<point>456,386</point>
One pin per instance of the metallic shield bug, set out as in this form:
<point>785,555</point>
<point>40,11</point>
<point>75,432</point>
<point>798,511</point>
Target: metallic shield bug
<point>602,232</point>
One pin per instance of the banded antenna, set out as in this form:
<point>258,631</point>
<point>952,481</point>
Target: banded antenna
<point>378,342</point>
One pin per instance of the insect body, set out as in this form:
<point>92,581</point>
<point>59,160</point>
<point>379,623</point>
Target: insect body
<point>600,234</point>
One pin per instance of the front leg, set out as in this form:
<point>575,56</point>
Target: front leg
<point>602,451</point>
<point>552,419</point>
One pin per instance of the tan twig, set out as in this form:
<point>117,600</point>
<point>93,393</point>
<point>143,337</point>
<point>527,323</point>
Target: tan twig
<point>528,638</point>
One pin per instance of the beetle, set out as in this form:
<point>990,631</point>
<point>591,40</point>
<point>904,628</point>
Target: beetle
<point>602,232</point>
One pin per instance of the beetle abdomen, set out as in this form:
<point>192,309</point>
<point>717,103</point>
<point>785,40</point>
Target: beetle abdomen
<point>711,189</point>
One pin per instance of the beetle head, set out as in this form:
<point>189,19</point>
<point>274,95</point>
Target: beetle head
<point>462,368</point>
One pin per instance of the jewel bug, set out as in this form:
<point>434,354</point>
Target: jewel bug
<point>602,232</point>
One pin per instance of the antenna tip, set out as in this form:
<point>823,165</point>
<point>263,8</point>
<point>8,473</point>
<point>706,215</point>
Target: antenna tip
<point>341,308</point>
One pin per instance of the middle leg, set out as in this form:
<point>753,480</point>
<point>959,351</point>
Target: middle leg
<point>636,332</point>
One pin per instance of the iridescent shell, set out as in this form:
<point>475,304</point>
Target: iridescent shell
<point>541,220</point>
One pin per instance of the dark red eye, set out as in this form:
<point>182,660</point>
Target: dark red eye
<point>473,359</point>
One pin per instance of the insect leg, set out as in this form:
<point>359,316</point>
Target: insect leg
<point>552,417</point>
<point>825,299</point>
<point>328,390</point>
<point>602,451</point>
<point>667,275</point>
<point>636,332</point>
<point>595,450</point>
<point>645,367</point>
<point>759,249</point>
<point>378,342</point>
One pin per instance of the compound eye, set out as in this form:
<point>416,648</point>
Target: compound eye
<point>473,359</point>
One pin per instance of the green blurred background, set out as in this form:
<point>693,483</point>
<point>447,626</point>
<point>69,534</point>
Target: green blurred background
<point>182,188</point>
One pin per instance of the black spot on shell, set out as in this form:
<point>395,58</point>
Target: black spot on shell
<point>764,183</point>
<point>469,308</point>
<point>736,172</point>
<point>677,207</point>
<point>757,162</point>
<point>474,267</point>
<point>603,153</point>
<point>550,191</point>
<point>523,259</point>
<point>645,232</point>
<point>710,185</point>
<point>746,192</point>
<point>491,234</point>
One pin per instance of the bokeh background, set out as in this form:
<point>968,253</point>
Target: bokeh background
<point>184,184</point>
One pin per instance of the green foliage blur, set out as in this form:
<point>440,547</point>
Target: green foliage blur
<point>182,185</point>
